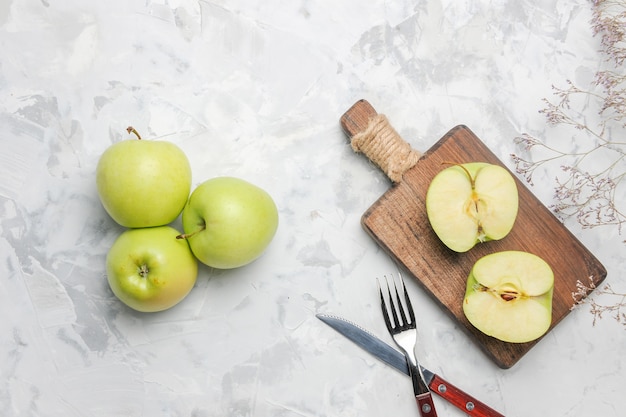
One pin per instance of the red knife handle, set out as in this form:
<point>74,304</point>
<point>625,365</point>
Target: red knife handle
<point>460,399</point>
<point>425,405</point>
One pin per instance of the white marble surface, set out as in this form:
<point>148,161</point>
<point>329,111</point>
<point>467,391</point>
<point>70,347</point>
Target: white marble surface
<point>255,90</point>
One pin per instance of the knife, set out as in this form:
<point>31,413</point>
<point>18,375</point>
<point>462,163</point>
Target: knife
<point>397,360</point>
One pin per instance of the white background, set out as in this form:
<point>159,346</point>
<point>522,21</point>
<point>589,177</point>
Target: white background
<point>255,90</point>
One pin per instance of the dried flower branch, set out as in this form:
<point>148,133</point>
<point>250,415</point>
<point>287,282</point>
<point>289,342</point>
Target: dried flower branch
<point>616,309</point>
<point>608,21</point>
<point>594,185</point>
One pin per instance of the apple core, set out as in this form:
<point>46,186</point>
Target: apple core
<point>509,296</point>
<point>471,203</point>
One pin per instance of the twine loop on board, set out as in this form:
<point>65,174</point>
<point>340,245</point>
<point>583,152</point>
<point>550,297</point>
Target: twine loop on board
<point>384,147</point>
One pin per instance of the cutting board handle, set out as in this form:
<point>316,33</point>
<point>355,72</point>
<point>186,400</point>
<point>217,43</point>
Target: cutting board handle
<point>371,133</point>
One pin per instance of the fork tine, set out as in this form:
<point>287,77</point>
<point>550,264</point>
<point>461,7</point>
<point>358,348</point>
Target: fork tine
<point>384,307</point>
<point>399,302</point>
<point>408,301</point>
<point>393,305</point>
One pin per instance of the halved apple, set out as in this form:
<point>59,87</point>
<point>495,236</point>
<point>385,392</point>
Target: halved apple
<point>509,296</point>
<point>471,203</point>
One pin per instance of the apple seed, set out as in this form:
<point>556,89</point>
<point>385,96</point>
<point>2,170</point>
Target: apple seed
<point>506,295</point>
<point>509,295</point>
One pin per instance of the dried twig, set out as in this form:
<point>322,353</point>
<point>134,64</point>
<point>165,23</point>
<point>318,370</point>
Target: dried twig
<point>616,308</point>
<point>593,174</point>
<point>592,185</point>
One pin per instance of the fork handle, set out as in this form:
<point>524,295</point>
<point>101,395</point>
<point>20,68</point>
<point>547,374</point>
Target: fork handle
<point>460,399</point>
<point>425,405</point>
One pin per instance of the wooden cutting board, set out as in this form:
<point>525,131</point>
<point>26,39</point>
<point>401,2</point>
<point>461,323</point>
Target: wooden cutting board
<point>399,224</point>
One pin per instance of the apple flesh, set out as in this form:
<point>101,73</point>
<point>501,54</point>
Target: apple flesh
<point>143,183</point>
<point>149,269</point>
<point>509,296</point>
<point>471,203</point>
<point>229,222</point>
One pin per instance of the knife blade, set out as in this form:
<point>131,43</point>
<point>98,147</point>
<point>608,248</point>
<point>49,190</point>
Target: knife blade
<point>387,354</point>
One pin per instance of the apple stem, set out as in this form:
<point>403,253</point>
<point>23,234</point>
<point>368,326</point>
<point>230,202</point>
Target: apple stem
<point>472,181</point>
<point>131,129</point>
<point>463,168</point>
<point>188,235</point>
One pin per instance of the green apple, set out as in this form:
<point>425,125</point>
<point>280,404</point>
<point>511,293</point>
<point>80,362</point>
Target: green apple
<point>509,296</point>
<point>229,222</point>
<point>471,203</point>
<point>143,183</point>
<point>150,270</point>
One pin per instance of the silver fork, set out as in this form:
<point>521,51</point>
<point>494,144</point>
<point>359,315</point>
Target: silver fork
<point>404,333</point>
